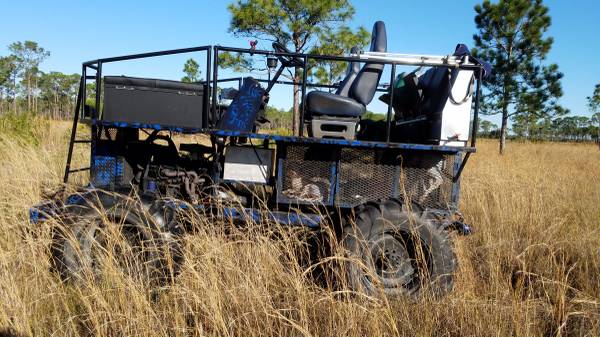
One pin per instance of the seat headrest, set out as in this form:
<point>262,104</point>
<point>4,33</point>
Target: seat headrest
<point>379,38</point>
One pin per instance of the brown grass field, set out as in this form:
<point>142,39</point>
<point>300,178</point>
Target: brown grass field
<point>532,267</point>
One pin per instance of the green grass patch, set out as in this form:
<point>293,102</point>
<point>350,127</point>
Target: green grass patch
<point>24,126</point>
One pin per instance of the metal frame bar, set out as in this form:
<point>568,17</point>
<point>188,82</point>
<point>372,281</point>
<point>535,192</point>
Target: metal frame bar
<point>97,112</point>
<point>414,60</point>
<point>476,109</point>
<point>214,86</point>
<point>303,106</point>
<point>475,126</point>
<point>456,169</point>
<point>354,58</point>
<point>388,125</point>
<point>74,126</point>
<point>383,58</point>
<point>308,84</point>
<point>147,55</point>
<point>207,99</point>
<point>212,60</point>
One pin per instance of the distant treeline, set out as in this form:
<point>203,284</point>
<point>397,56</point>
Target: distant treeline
<point>25,88</point>
<point>569,128</point>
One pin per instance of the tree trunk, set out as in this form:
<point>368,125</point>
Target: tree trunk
<point>35,98</point>
<point>506,94</point>
<point>56,109</point>
<point>503,128</point>
<point>296,110</point>
<point>14,94</point>
<point>28,93</point>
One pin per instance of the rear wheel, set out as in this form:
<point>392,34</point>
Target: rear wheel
<point>397,251</point>
<point>115,232</point>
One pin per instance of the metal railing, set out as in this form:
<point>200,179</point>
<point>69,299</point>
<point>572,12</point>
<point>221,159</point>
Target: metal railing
<point>365,57</point>
<point>212,74</point>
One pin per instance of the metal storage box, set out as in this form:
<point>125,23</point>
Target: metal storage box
<point>151,101</point>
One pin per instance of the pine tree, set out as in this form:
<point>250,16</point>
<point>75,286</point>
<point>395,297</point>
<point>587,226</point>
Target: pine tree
<point>336,42</point>
<point>594,106</point>
<point>8,81</point>
<point>192,72</point>
<point>297,22</point>
<point>486,127</point>
<point>7,72</point>
<point>28,56</point>
<point>512,36</point>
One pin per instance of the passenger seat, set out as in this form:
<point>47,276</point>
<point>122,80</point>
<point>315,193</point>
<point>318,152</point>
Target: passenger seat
<point>337,115</point>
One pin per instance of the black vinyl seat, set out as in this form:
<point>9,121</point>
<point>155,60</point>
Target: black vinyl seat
<point>336,115</point>
<point>326,103</point>
<point>353,70</point>
<point>360,92</point>
<point>322,103</point>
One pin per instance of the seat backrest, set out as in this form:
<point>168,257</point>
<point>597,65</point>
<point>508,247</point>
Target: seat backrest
<point>435,85</point>
<point>438,82</point>
<point>353,70</point>
<point>364,86</point>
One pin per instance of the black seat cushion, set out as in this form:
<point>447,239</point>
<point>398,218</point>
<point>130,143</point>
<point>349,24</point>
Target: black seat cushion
<point>320,103</point>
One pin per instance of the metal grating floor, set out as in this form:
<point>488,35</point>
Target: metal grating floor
<point>307,178</point>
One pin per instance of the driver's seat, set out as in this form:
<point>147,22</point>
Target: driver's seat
<point>336,115</point>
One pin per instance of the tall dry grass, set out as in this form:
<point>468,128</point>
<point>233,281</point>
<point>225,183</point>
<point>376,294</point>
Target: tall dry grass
<point>531,268</point>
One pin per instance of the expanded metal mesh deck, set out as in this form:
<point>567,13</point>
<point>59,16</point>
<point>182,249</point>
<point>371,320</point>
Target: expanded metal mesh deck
<point>427,179</point>
<point>348,177</point>
<point>308,175</point>
<point>363,176</point>
<point>108,133</point>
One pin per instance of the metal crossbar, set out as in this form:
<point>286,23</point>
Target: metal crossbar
<point>80,170</point>
<point>414,60</point>
<point>212,65</point>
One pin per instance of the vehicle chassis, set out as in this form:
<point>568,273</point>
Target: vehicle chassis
<point>356,172</point>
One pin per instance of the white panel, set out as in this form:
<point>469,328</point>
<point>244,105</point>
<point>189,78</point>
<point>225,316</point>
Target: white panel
<point>456,117</point>
<point>247,164</point>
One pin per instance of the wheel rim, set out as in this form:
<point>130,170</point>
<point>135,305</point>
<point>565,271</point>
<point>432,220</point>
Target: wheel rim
<point>399,260</point>
<point>128,252</point>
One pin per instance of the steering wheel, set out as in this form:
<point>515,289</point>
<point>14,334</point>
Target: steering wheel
<point>287,61</point>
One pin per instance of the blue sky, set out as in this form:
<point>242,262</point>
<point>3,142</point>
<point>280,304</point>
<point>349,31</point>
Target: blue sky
<point>75,31</point>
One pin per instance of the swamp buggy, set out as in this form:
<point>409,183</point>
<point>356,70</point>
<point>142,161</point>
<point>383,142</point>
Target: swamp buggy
<point>389,188</point>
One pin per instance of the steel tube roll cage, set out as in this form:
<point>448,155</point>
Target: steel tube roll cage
<point>212,80</point>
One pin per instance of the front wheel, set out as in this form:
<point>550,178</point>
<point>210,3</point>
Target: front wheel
<point>397,251</point>
<point>113,231</point>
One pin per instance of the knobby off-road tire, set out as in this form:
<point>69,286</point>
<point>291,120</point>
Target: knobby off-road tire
<point>395,249</point>
<point>132,234</point>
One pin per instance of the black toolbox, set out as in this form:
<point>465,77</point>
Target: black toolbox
<point>152,101</point>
